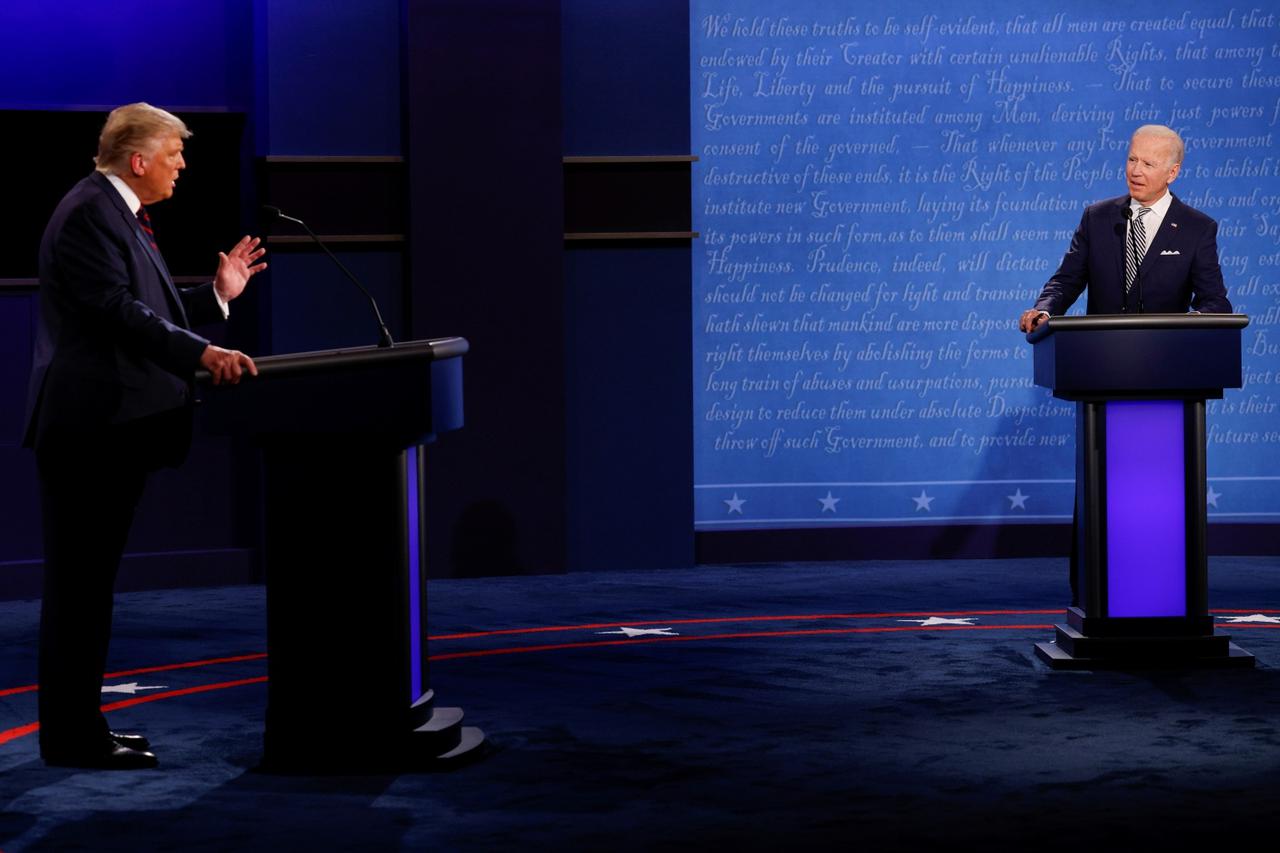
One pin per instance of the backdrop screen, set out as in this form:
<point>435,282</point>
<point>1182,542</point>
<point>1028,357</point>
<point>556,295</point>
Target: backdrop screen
<point>883,188</point>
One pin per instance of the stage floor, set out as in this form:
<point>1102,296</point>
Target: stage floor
<point>886,704</point>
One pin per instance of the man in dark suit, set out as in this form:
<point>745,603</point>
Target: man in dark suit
<point>1141,253</point>
<point>1179,253</point>
<point>110,401</point>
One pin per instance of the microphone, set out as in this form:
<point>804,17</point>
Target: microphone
<point>384,336</point>
<point>1127,213</point>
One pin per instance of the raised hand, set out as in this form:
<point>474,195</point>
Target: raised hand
<point>236,267</point>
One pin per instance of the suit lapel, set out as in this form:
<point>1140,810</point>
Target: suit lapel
<point>1120,229</point>
<point>1166,235</point>
<point>135,228</point>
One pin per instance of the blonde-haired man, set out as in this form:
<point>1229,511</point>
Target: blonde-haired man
<point>109,402</point>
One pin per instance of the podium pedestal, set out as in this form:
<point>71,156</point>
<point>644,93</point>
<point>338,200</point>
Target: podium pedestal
<point>1139,384</point>
<point>342,435</point>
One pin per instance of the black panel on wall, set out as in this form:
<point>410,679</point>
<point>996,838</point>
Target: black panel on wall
<point>957,541</point>
<point>15,362</point>
<point>634,194</point>
<point>337,195</point>
<point>192,227</point>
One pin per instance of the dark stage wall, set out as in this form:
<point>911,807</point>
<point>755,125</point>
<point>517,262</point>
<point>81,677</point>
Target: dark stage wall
<point>260,81</point>
<point>577,449</point>
<point>60,64</point>
<point>427,137</point>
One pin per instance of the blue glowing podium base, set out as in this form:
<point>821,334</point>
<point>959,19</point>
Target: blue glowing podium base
<point>1141,569</point>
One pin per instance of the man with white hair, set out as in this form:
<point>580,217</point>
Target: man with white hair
<point>110,401</point>
<point>1141,253</point>
<point>1145,252</point>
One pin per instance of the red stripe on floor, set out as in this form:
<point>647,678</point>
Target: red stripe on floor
<point>13,691</point>
<point>20,731</point>
<point>722,619</point>
<point>185,691</point>
<point>738,636</point>
<point>172,666</point>
<point>30,728</point>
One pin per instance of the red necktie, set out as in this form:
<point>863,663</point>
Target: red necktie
<point>145,221</point>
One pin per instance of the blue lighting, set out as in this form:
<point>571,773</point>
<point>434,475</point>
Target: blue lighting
<point>1146,509</point>
<point>415,574</point>
<point>81,55</point>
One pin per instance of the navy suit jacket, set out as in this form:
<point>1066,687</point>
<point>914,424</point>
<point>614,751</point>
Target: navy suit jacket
<point>113,343</point>
<point>1180,271</point>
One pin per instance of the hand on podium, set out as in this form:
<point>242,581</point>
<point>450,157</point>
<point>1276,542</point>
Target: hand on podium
<point>1031,318</point>
<point>226,365</point>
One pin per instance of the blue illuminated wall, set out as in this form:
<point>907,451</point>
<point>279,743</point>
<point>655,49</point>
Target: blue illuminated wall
<point>331,77</point>
<point>86,55</point>
<point>328,84</point>
<point>882,190</point>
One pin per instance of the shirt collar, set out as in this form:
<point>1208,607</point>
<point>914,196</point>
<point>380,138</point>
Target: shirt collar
<point>126,192</point>
<point>1159,207</point>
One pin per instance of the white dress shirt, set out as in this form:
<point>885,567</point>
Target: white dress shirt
<point>135,204</point>
<point>1151,222</point>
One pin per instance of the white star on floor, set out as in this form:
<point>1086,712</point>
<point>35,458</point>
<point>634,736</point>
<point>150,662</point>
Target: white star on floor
<point>1256,617</point>
<point>938,620</point>
<point>1213,497</point>
<point>735,503</point>
<point>642,632</point>
<point>923,501</point>
<point>1017,500</point>
<point>131,688</point>
<point>829,502</point>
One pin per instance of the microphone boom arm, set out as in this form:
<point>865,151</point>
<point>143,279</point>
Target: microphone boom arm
<point>384,336</point>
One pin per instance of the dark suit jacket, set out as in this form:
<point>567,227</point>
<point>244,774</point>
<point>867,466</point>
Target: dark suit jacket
<point>1180,271</point>
<point>113,343</point>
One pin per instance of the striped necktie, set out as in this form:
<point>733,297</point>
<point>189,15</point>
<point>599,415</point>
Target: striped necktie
<point>1137,249</point>
<point>144,219</point>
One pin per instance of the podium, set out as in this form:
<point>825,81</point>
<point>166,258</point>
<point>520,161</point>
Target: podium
<point>342,434</point>
<point>1140,385</point>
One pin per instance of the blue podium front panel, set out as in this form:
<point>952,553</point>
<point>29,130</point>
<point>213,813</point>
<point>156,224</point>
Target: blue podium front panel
<point>1146,517</point>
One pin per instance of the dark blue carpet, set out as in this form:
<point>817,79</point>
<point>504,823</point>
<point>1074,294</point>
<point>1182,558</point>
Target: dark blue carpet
<point>755,707</point>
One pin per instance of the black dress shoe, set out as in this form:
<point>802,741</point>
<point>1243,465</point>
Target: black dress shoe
<point>110,757</point>
<point>138,742</point>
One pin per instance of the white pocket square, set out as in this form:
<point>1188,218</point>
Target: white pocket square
<point>1171,252</point>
